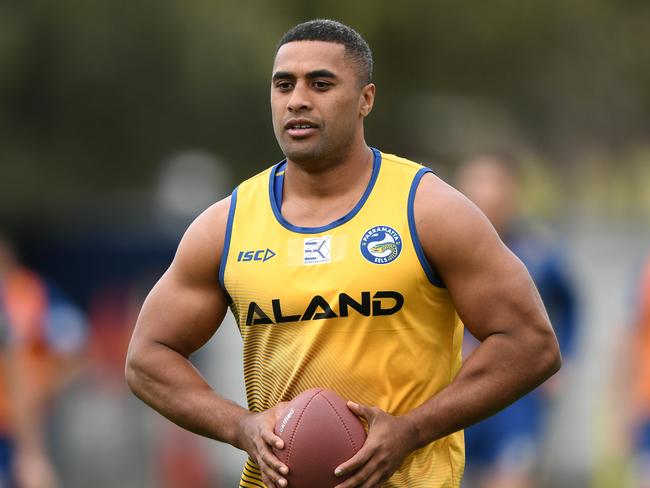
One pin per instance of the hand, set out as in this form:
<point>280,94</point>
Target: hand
<point>256,436</point>
<point>32,469</point>
<point>390,440</point>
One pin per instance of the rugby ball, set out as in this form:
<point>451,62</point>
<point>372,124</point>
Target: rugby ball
<point>319,433</point>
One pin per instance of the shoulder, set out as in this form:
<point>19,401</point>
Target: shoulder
<point>446,223</point>
<point>402,171</point>
<point>438,203</point>
<point>453,232</point>
<point>399,161</point>
<point>211,222</point>
<point>201,246</point>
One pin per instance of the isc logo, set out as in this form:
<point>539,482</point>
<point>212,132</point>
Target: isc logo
<point>259,255</point>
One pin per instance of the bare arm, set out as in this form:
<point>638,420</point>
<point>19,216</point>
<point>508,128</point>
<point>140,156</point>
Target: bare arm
<point>496,299</point>
<point>180,314</point>
<point>182,311</point>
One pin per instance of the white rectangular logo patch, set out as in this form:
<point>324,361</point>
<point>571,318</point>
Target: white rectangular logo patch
<point>317,250</point>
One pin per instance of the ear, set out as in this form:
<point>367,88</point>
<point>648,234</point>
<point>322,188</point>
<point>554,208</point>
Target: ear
<point>367,99</point>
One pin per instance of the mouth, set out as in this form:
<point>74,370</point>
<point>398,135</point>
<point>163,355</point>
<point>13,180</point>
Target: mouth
<point>300,128</point>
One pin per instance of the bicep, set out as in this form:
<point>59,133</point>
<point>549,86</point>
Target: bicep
<point>185,308</point>
<point>494,294</point>
<point>180,315</point>
<point>490,287</point>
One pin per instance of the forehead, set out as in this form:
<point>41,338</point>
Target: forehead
<point>305,56</point>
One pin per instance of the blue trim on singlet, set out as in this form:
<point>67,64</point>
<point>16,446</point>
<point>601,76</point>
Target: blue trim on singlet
<point>279,183</point>
<point>275,195</point>
<point>226,242</point>
<point>431,273</point>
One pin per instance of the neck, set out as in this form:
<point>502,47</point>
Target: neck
<point>329,177</point>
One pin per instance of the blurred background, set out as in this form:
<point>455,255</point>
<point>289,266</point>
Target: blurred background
<point>121,121</point>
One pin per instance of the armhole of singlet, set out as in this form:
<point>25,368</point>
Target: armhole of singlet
<point>431,273</point>
<point>226,242</point>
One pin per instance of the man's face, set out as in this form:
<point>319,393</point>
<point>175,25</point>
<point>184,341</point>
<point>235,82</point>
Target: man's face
<point>317,101</point>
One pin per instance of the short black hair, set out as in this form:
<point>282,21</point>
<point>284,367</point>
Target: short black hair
<point>328,30</point>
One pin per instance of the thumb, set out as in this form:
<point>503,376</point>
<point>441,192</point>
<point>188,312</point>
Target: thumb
<point>359,410</point>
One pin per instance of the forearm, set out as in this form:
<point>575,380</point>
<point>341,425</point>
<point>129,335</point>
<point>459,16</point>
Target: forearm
<point>502,369</point>
<point>169,383</point>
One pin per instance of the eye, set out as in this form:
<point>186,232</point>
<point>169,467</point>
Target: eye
<point>321,85</point>
<point>284,85</point>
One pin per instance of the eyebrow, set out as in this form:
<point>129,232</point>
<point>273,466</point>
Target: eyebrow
<point>319,73</point>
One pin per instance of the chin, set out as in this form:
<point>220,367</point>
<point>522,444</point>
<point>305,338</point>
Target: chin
<point>301,152</point>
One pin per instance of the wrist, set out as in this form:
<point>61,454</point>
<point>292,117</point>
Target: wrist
<point>414,431</point>
<point>225,422</point>
<point>241,436</point>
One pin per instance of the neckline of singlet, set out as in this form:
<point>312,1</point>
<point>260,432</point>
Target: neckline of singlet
<point>276,184</point>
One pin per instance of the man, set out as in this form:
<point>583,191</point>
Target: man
<point>344,268</point>
<point>504,450</point>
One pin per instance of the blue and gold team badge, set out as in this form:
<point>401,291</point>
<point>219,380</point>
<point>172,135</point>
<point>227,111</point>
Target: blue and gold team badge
<point>381,244</point>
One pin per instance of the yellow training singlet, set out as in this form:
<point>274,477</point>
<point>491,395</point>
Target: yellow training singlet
<point>352,306</point>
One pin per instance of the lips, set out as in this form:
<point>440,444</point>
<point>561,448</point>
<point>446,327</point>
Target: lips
<point>300,127</point>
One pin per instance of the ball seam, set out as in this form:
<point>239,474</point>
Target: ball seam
<point>347,431</point>
<point>293,433</point>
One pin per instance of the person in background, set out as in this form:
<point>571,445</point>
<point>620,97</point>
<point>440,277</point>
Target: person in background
<point>40,334</point>
<point>128,445</point>
<point>639,378</point>
<point>502,451</point>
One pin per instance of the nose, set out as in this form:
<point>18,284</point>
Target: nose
<point>299,99</point>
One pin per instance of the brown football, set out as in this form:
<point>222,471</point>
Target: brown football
<point>319,433</point>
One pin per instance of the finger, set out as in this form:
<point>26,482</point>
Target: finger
<point>267,460</point>
<point>361,411</point>
<point>273,462</point>
<point>267,482</point>
<point>356,408</point>
<point>271,478</point>
<point>272,440</point>
<point>271,482</point>
<point>274,481</point>
<point>355,462</point>
<point>267,476</point>
<point>358,479</point>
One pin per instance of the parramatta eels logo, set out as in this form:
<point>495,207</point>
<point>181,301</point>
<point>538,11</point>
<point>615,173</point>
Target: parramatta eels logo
<point>381,244</point>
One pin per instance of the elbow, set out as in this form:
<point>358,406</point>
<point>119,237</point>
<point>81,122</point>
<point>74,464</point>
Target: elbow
<point>129,374</point>
<point>131,369</point>
<point>555,364</point>
<point>551,360</point>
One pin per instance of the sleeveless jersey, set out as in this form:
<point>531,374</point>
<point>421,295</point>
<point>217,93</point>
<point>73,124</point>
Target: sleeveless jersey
<point>353,306</point>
